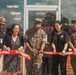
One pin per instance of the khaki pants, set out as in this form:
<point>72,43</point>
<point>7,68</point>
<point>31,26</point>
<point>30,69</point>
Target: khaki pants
<point>1,64</point>
<point>0,73</point>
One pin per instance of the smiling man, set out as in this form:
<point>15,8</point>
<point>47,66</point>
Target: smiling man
<point>2,35</point>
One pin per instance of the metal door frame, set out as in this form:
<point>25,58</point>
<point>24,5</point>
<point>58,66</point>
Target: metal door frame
<point>28,8</point>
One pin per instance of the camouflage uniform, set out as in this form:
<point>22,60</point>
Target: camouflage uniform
<point>35,39</point>
<point>73,58</point>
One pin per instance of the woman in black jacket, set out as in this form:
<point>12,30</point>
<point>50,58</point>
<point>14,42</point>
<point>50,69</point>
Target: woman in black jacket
<point>13,42</point>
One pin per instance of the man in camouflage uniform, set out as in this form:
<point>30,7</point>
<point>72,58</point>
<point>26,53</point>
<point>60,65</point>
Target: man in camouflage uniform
<point>2,35</point>
<point>35,39</point>
<point>73,40</point>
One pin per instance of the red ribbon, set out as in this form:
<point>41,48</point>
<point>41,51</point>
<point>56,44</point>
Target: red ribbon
<point>58,53</point>
<point>3,52</point>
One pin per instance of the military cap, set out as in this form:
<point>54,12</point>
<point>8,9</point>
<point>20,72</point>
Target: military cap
<point>38,22</point>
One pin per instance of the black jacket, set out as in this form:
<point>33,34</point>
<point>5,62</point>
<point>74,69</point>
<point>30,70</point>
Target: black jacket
<point>7,40</point>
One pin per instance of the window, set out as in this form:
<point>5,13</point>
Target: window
<point>12,11</point>
<point>42,2</point>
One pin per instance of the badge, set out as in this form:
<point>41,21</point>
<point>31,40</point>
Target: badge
<point>62,36</point>
<point>1,40</point>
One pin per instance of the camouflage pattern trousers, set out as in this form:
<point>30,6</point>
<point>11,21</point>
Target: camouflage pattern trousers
<point>73,63</point>
<point>33,67</point>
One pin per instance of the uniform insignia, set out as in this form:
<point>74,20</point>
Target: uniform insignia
<point>62,36</point>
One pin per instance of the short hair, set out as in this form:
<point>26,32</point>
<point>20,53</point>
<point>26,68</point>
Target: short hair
<point>2,18</point>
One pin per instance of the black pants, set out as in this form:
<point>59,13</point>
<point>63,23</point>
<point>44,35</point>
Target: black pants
<point>56,60</point>
<point>46,65</point>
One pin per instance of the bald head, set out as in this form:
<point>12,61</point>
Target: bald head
<point>2,22</point>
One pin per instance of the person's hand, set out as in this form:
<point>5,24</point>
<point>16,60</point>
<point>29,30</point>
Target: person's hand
<point>54,50</point>
<point>21,49</point>
<point>40,51</point>
<point>75,51</point>
<point>8,49</point>
<point>63,53</point>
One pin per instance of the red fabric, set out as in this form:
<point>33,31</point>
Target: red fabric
<point>3,52</point>
<point>55,53</point>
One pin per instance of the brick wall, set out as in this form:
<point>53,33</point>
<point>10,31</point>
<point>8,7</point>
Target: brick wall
<point>69,67</point>
<point>18,73</point>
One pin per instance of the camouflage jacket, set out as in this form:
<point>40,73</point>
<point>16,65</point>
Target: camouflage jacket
<point>73,38</point>
<point>35,38</point>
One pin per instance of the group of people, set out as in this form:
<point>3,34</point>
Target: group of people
<point>35,40</point>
